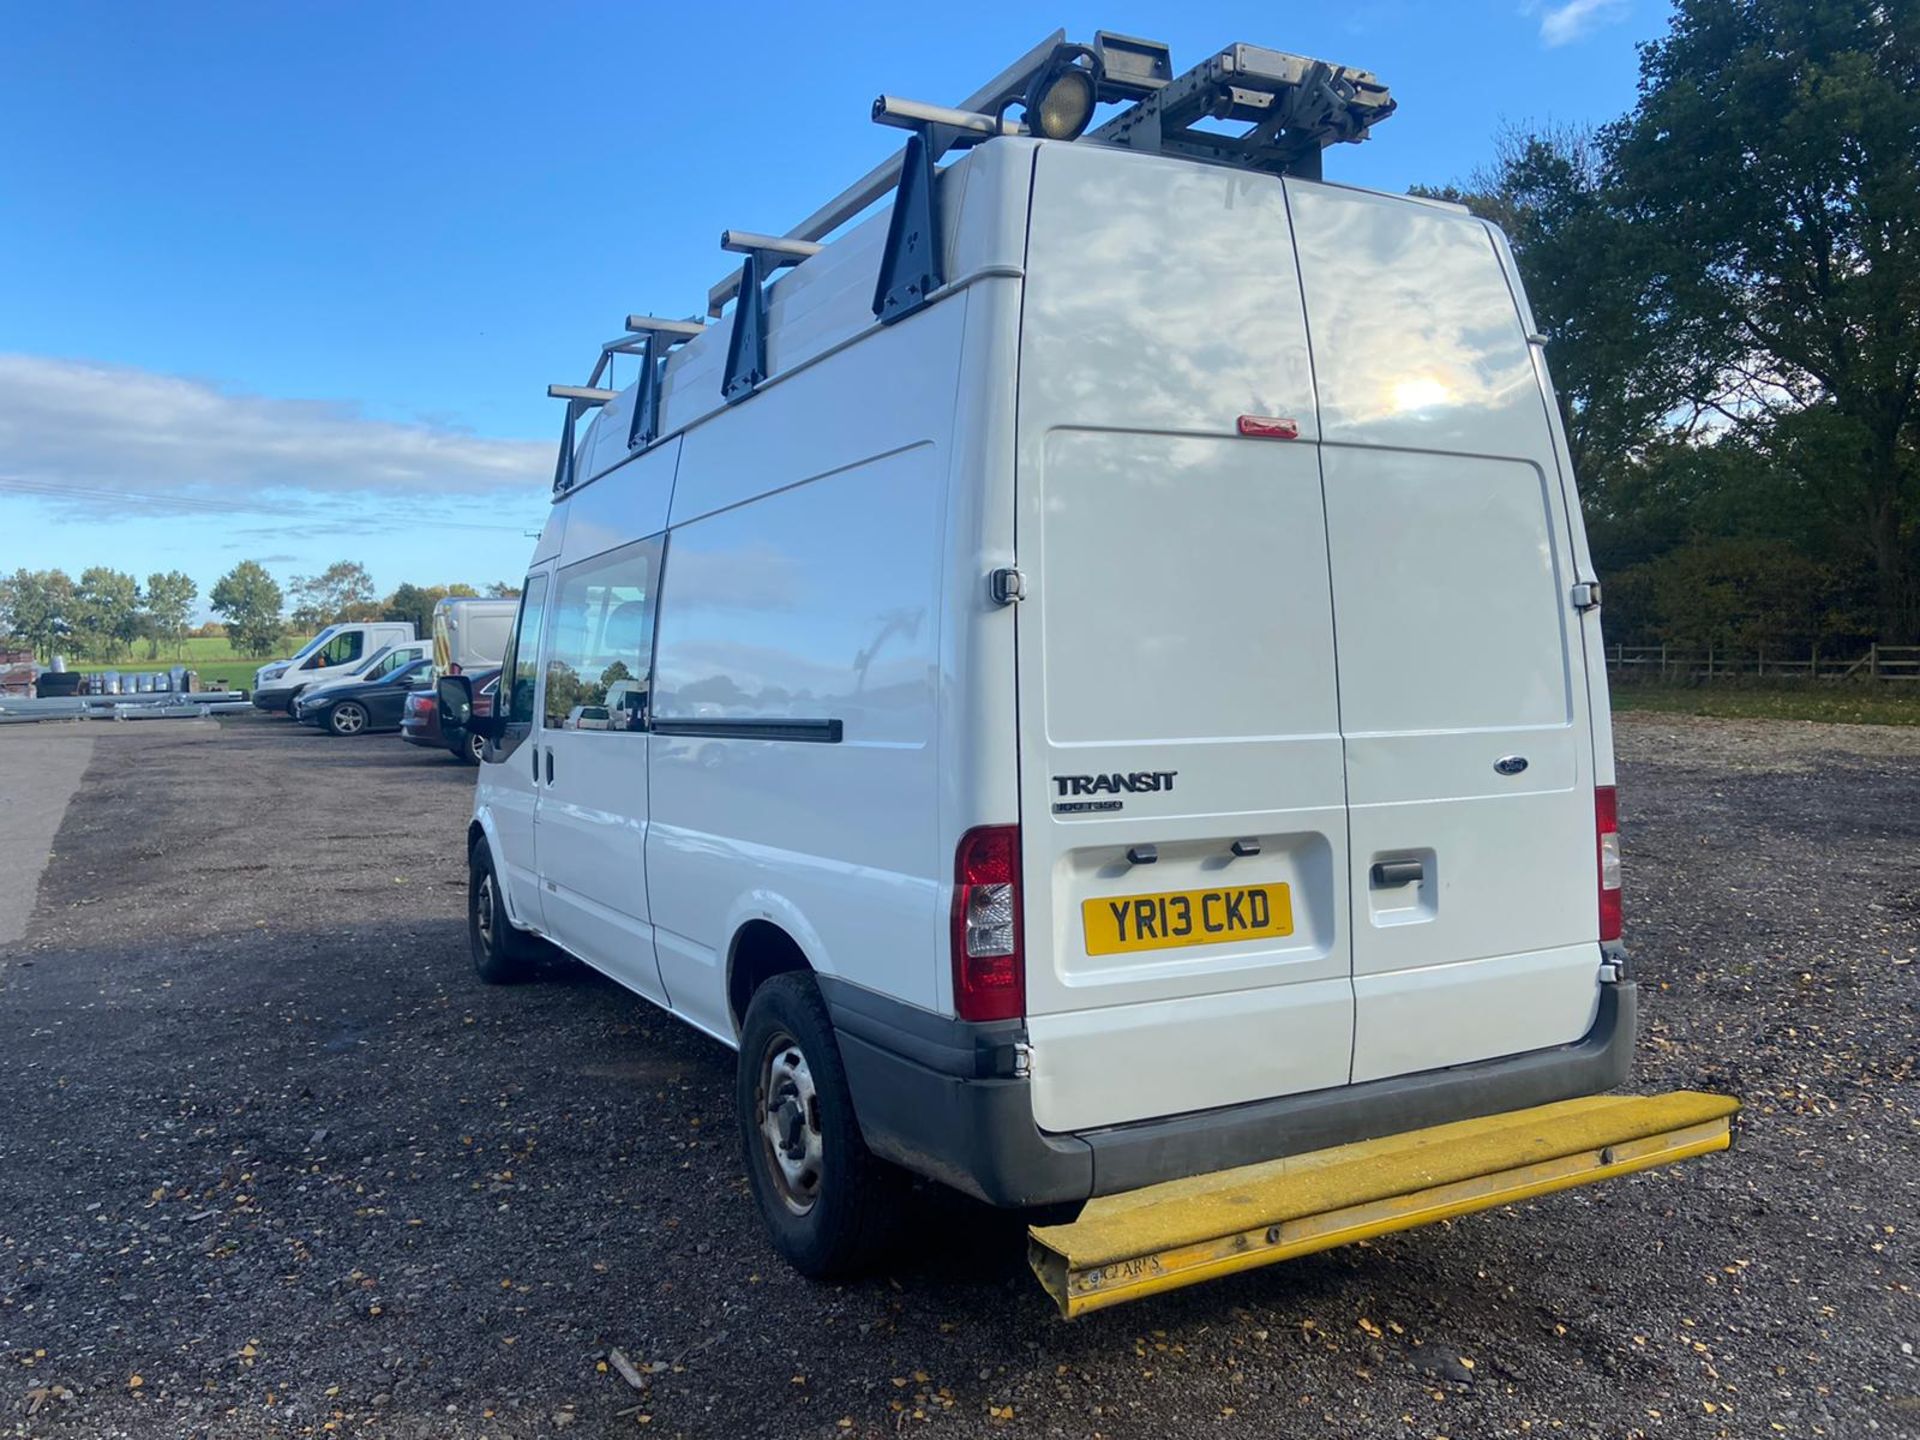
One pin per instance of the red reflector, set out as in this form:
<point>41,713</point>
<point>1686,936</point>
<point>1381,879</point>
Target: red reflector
<point>1269,427</point>
<point>1606,824</point>
<point>989,971</point>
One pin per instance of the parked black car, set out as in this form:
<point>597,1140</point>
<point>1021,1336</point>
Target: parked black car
<point>357,707</point>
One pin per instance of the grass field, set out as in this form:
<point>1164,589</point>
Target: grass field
<point>212,657</point>
<point>1833,704</point>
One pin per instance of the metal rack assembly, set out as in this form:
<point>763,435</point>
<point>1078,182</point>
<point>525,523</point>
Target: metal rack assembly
<point>1247,106</point>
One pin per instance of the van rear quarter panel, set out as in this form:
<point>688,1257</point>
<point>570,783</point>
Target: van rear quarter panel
<point>803,580</point>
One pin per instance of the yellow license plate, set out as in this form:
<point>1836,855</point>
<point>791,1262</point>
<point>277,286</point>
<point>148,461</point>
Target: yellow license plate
<point>1186,917</point>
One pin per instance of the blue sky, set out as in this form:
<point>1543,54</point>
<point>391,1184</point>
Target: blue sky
<point>288,281</point>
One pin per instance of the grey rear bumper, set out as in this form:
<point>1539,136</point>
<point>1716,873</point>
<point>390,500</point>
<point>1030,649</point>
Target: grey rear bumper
<point>940,1097</point>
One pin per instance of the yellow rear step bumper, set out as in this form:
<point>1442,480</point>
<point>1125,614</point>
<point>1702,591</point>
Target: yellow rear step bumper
<point>1125,1247</point>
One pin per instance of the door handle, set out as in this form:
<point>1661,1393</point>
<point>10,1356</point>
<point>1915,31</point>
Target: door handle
<point>549,765</point>
<point>536,763</point>
<point>1388,873</point>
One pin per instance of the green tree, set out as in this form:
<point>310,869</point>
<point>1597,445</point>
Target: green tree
<point>250,599</point>
<point>415,603</point>
<point>1773,152</point>
<point>107,611</point>
<point>1743,594</point>
<point>503,590</point>
<point>170,597</point>
<point>343,591</point>
<point>1623,369</point>
<point>412,603</point>
<point>39,607</point>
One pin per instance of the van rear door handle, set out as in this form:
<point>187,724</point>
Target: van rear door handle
<point>536,763</point>
<point>549,765</point>
<point>1389,873</point>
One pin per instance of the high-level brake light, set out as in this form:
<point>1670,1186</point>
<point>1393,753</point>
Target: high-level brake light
<point>1606,817</point>
<point>989,970</point>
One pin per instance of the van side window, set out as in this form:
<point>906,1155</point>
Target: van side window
<point>601,660</point>
<point>340,650</point>
<point>523,651</point>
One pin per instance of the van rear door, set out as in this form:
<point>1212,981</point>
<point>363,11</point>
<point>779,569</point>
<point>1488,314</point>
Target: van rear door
<point>1469,754</point>
<point>1183,811</point>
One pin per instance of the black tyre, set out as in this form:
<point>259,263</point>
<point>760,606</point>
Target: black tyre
<point>349,717</point>
<point>290,699</point>
<point>470,749</point>
<point>831,1208</point>
<point>501,954</point>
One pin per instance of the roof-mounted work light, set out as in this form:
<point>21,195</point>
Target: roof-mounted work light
<point>1060,98</point>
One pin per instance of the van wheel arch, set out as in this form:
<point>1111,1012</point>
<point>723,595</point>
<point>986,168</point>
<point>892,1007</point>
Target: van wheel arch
<point>760,951</point>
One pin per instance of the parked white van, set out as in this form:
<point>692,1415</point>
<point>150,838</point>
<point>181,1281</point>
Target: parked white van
<point>331,655</point>
<point>1107,684</point>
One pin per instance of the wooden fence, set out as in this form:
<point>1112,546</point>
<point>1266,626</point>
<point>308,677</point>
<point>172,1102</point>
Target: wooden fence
<point>1674,664</point>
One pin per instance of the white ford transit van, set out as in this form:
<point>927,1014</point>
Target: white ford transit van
<point>1094,678</point>
<point>333,654</point>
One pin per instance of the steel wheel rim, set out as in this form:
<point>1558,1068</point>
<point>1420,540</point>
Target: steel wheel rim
<point>348,719</point>
<point>787,1106</point>
<point>483,912</point>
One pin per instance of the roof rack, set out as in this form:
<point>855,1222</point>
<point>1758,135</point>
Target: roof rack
<point>1289,109</point>
<point>649,338</point>
<point>886,175</point>
<point>1294,107</point>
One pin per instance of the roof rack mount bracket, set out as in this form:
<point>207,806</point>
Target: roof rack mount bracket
<point>912,266</point>
<point>654,338</point>
<point>747,340</point>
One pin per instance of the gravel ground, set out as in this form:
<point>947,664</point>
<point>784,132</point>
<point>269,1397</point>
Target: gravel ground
<point>271,1163</point>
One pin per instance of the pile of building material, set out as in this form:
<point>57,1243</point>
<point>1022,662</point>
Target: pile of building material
<point>140,705</point>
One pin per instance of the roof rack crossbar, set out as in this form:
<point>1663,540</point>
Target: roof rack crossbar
<point>677,329</point>
<point>584,395</point>
<point>907,114</point>
<point>745,242</point>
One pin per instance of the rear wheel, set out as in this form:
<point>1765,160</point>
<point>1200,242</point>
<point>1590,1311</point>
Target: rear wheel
<point>349,717</point>
<point>831,1207</point>
<point>501,953</point>
<point>470,749</point>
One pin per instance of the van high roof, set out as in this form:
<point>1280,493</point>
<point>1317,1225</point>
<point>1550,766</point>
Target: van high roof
<point>1246,106</point>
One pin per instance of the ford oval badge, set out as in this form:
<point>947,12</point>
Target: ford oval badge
<point>1510,764</point>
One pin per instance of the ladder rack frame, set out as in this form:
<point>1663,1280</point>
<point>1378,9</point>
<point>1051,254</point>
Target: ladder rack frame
<point>1292,108</point>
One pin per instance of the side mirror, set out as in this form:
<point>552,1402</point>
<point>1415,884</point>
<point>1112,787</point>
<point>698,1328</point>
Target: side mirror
<point>456,701</point>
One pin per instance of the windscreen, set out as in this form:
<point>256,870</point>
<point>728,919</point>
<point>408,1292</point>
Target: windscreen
<point>316,642</point>
<point>371,665</point>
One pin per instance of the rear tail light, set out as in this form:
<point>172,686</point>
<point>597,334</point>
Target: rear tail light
<point>1606,816</point>
<point>989,971</point>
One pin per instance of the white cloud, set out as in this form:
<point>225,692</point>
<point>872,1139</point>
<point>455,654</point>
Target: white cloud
<point>1576,19</point>
<point>100,439</point>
